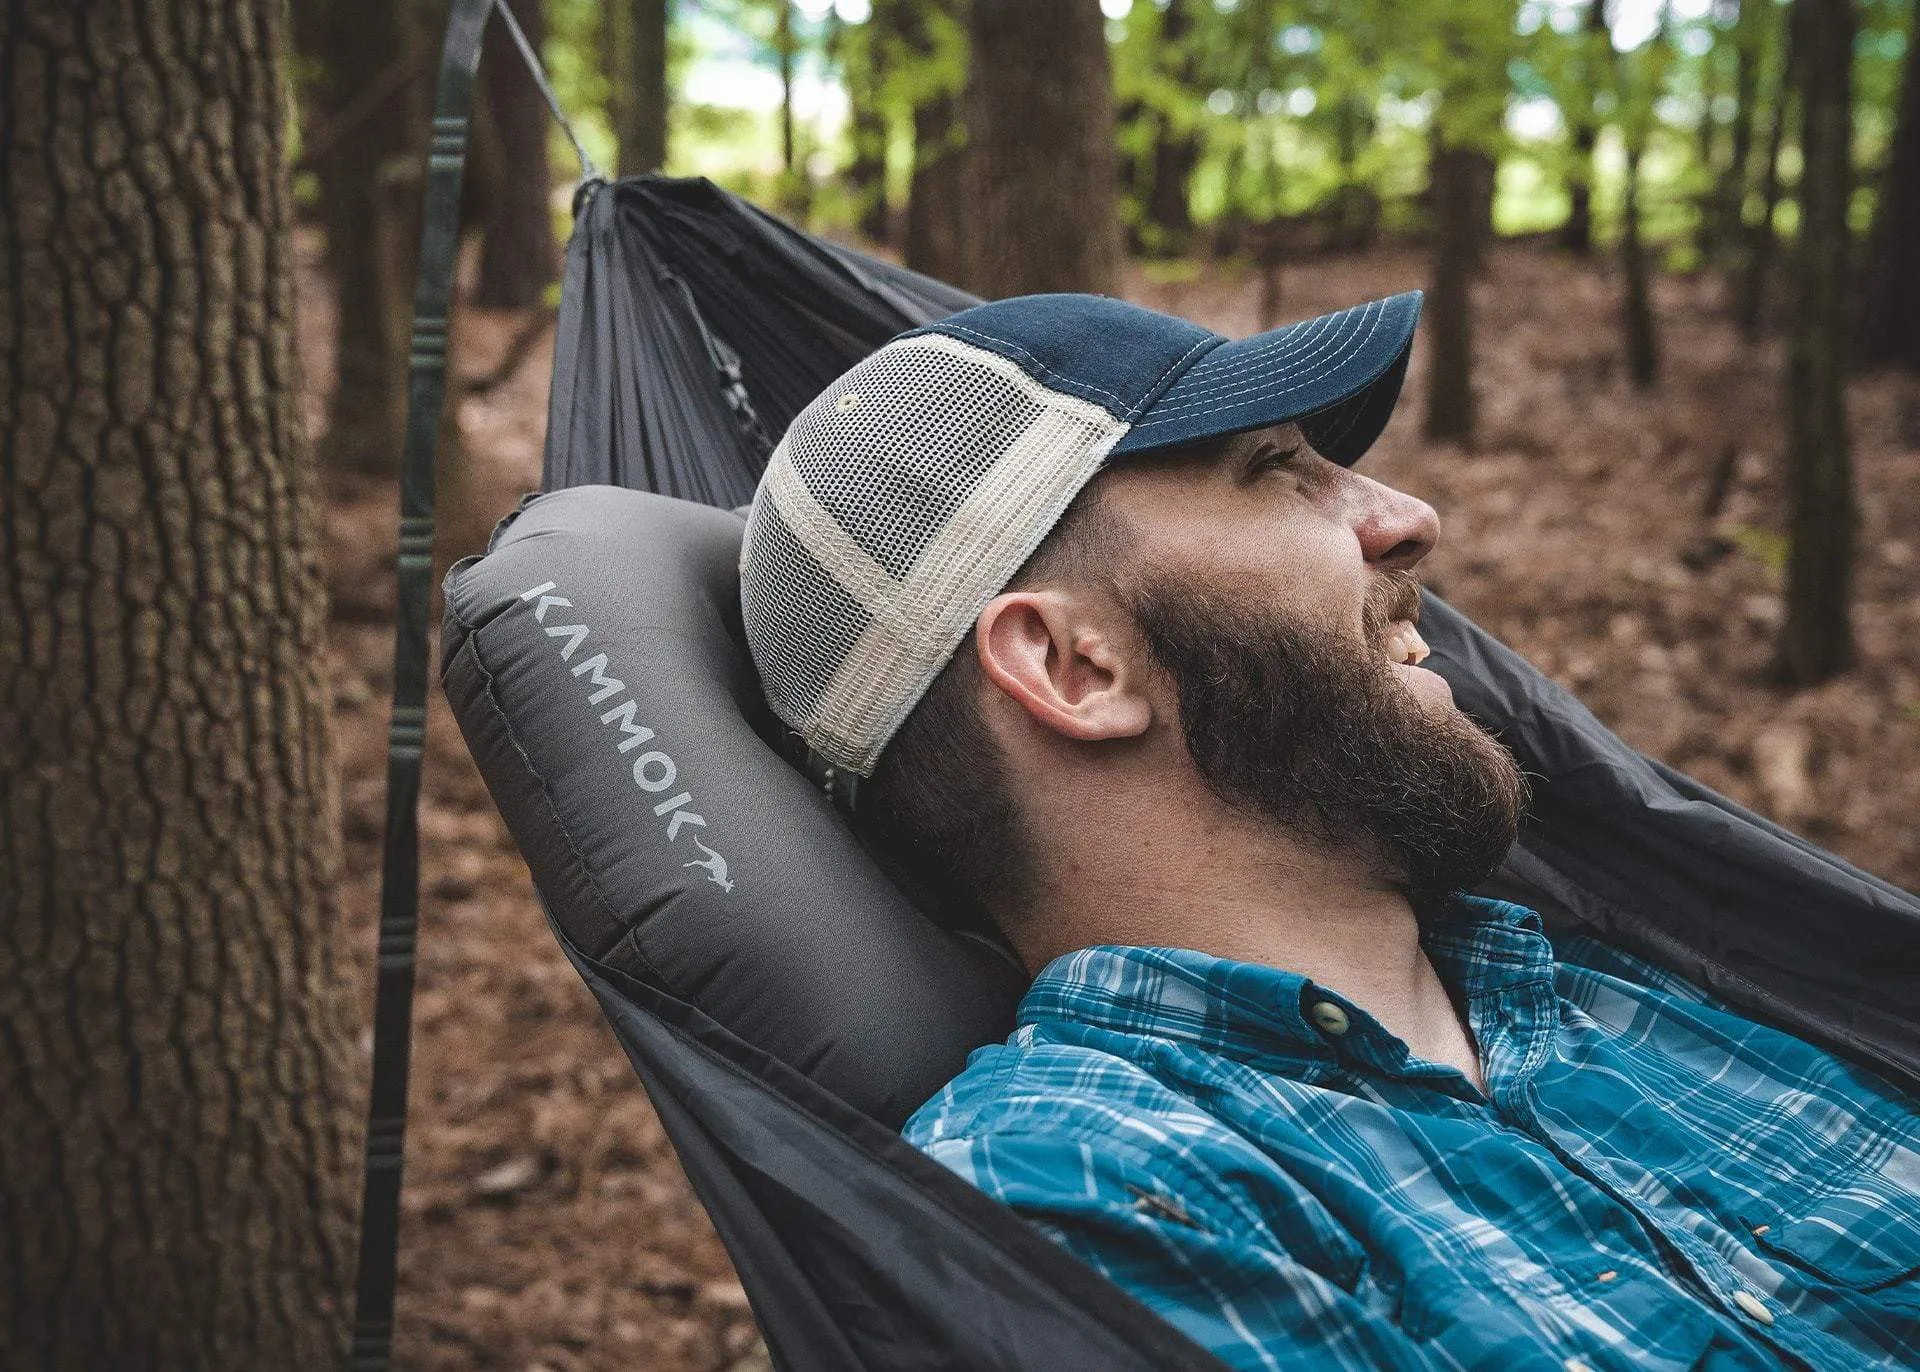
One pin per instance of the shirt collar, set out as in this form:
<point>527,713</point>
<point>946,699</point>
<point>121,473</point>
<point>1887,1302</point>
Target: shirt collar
<point>1249,1010</point>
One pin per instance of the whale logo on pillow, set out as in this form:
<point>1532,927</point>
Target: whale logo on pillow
<point>654,771</point>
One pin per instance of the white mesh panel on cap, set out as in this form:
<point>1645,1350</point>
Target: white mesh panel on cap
<point>914,487</point>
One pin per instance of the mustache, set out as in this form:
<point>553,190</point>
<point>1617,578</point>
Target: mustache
<point>1395,596</point>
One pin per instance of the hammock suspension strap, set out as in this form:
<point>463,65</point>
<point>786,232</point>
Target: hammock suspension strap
<point>378,1271</point>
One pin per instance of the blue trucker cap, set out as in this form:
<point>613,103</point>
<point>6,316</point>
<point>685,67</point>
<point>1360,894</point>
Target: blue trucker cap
<point>1172,382</point>
<point>907,494</point>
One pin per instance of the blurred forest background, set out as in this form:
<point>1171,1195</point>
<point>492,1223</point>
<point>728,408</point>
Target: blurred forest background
<point>1666,399</point>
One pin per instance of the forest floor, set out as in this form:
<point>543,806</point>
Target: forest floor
<point>1628,542</point>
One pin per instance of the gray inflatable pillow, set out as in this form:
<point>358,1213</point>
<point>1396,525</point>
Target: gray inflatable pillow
<point>595,660</point>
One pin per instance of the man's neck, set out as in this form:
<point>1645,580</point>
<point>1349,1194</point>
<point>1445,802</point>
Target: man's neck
<point>1233,886</point>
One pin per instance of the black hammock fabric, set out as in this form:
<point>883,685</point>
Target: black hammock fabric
<point>692,327</point>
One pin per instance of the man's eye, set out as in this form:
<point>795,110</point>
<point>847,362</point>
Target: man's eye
<point>1275,459</point>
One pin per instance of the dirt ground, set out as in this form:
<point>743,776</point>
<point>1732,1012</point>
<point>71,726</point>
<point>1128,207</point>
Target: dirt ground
<point>547,1223</point>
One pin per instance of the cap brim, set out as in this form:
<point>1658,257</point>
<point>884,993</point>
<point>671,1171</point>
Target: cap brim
<point>1338,376</point>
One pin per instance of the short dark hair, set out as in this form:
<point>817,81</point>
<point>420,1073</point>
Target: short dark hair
<point>940,797</point>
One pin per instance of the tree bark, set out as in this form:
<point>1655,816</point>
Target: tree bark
<point>637,75</point>
<point>1576,234</point>
<point>1889,332</point>
<point>1042,164</point>
<point>1817,639</point>
<point>369,192</point>
<point>1450,408</point>
<point>175,1147</point>
<point>518,255</point>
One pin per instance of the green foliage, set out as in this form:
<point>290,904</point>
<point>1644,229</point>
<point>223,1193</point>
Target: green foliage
<point>1292,104</point>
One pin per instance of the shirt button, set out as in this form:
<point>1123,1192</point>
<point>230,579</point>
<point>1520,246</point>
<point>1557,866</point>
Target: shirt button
<point>1575,1365</point>
<point>1753,1306</point>
<point>1330,1017</point>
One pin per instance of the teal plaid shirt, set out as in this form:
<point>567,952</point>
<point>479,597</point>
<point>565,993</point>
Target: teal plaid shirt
<point>1655,1182</point>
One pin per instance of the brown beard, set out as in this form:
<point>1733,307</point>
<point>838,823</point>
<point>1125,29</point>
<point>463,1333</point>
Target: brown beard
<point>1307,725</point>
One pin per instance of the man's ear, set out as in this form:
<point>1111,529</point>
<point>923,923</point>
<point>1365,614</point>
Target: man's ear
<point>1050,656</point>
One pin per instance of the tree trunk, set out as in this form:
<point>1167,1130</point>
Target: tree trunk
<point>637,75</point>
<point>1482,172</point>
<point>1643,345</point>
<point>518,256</point>
<point>175,1147</point>
<point>1042,164</point>
<point>1356,204</point>
<point>1730,202</point>
<point>935,191</point>
<point>1576,234</point>
<point>1762,239</point>
<point>795,188</point>
<point>1889,333</point>
<point>864,64</point>
<point>1176,152</point>
<point>1722,16</point>
<point>1456,180</point>
<point>936,195</point>
<point>369,193</point>
<point>1817,640</point>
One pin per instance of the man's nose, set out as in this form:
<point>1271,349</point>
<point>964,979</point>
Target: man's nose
<point>1395,529</point>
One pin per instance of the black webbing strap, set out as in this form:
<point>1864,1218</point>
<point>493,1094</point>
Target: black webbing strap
<point>406,735</point>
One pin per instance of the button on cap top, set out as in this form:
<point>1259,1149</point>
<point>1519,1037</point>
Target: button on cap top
<point>1330,1017</point>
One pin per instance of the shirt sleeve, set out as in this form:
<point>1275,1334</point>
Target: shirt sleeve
<point>1173,1244</point>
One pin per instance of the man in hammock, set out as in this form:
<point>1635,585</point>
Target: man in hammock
<point>1130,657</point>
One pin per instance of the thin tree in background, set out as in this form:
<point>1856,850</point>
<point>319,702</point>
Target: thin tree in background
<point>637,79</point>
<point>1721,19</point>
<point>1639,92</point>
<point>1762,238</point>
<point>517,250</point>
<point>1175,150</point>
<point>863,51</point>
<point>1730,191</point>
<point>1636,295</point>
<point>1596,56</point>
<point>1042,161</point>
<point>933,72</point>
<point>1817,640</point>
<point>369,166</point>
<point>175,1161</point>
<point>794,188</point>
<point>1456,179</point>
<point>1889,332</point>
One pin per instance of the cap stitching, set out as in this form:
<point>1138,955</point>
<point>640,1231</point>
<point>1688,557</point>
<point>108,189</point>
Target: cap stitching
<point>1307,367</point>
<point>1036,362</point>
<point>1251,357</point>
<point>1230,399</point>
<point>1166,372</point>
<point>1339,346</point>
<point>1336,331</point>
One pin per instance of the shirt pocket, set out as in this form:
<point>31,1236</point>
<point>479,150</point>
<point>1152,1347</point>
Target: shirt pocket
<point>1857,1236</point>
